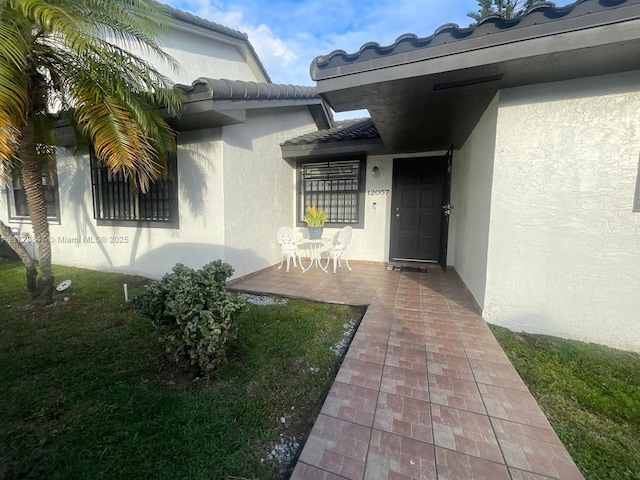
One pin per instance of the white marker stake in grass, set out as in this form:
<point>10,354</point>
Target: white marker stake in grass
<point>126,293</point>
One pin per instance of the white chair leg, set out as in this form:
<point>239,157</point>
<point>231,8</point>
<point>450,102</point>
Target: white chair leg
<point>335,264</point>
<point>288,260</point>
<point>281,262</point>
<point>346,260</point>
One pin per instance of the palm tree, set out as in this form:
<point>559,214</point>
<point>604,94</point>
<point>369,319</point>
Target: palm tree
<point>504,8</point>
<point>29,264</point>
<point>72,59</point>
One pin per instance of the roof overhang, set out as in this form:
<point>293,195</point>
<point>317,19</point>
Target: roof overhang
<point>211,103</point>
<point>301,153</point>
<point>348,138</point>
<point>427,94</point>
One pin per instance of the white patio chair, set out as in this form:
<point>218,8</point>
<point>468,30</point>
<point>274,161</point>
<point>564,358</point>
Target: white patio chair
<point>338,251</point>
<point>287,241</point>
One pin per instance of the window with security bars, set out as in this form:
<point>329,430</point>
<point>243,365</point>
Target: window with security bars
<point>18,205</point>
<point>334,186</point>
<point>115,199</point>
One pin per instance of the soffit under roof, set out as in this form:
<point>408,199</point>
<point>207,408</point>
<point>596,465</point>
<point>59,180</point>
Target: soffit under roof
<point>429,93</point>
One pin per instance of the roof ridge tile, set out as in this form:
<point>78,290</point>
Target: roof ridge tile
<point>226,89</point>
<point>344,130</point>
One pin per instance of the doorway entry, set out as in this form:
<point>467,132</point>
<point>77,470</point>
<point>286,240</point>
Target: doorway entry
<point>420,209</point>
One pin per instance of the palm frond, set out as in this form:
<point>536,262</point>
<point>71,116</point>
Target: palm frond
<point>14,91</point>
<point>79,53</point>
<point>117,138</point>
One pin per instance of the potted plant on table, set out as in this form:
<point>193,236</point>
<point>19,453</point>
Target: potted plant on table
<point>315,219</point>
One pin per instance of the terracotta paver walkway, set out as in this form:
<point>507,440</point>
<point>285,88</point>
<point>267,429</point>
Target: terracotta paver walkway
<point>425,391</point>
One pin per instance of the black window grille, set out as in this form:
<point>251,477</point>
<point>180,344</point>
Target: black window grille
<point>115,199</point>
<point>50,188</point>
<point>333,186</point>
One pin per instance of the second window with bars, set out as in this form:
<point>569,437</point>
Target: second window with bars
<point>334,186</point>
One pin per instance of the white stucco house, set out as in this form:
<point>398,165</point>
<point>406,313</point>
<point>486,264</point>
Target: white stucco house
<point>509,151</point>
<point>226,189</point>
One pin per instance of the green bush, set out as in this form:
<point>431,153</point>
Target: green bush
<point>194,312</point>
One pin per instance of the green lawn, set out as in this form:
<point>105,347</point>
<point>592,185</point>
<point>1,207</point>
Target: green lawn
<point>591,395</point>
<point>85,391</point>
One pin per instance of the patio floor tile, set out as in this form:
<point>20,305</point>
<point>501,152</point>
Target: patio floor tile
<point>424,391</point>
<point>367,351</point>
<point>449,366</point>
<point>351,403</point>
<point>404,416</point>
<point>399,458</point>
<point>456,393</point>
<point>337,446</point>
<point>446,346</point>
<point>522,475</point>
<point>533,449</point>
<point>398,338</point>
<point>372,332</point>
<point>308,472</point>
<point>514,405</point>
<point>497,374</point>
<point>406,383</point>
<point>465,432</point>
<point>452,464</point>
<point>407,358</point>
<point>360,373</point>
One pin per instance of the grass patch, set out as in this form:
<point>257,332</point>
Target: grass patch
<point>85,391</point>
<point>590,394</point>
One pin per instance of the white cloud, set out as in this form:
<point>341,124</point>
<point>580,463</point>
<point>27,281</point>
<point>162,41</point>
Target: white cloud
<point>272,50</point>
<point>269,47</point>
<point>288,35</point>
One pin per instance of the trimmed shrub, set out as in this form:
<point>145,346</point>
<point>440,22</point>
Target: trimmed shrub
<point>194,313</point>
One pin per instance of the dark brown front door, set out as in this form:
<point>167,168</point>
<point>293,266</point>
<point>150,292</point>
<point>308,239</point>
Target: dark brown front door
<point>416,213</point>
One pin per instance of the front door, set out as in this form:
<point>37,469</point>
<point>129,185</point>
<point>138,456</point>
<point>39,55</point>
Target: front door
<point>417,208</point>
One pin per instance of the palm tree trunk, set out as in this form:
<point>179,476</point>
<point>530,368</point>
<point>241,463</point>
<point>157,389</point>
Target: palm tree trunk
<point>29,264</point>
<point>31,175</point>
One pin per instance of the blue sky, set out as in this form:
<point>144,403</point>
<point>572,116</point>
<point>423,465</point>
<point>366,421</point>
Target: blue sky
<point>289,34</point>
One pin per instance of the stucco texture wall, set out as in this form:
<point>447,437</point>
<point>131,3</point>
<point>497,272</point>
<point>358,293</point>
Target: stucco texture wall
<point>200,55</point>
<point>564,251</point>
<point>259,186</point>
<point>234,191</point>
<point>146,251</point>
<point>471,185</point>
